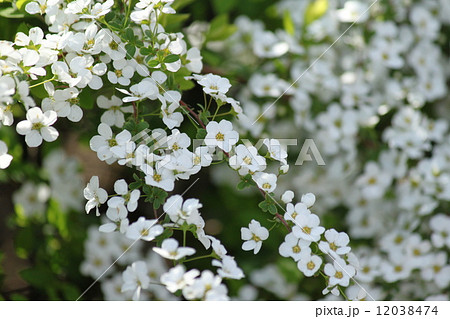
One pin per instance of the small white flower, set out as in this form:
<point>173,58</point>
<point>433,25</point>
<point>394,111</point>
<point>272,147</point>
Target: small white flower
<point>307,227</point>
<point>145,229</point>
<point>308,199</point>
<point>114,114</point>
<point>287,196</point>
<point>5,158</point>
<point>95,195</point>
<point>177,278</point>
<point>247,160</point>
<point>294,247</point>
<point>170,250</point>
<point>135,278</point>
<point>309,264</point>
<point>146,89</point>
<point>339,273</point>
<point>254,235</point>
<point>265,181</point>
<point>336,243</point>
<point>228,268</point>
<point>276,150</point>
<point>221,135</point>
<point>37,126</point>
<point>214,84</point>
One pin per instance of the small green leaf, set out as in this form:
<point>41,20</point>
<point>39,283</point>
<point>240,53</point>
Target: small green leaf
<point>288,23</point>
<point>171,58</point>
<point>315,10</point>
<point>152,63</point>
<point>145,51</point>
<point>131,50</point>
<point>201,134</point>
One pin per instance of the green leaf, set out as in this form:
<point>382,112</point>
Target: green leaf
<point>220,29</point>
<point>204,116</point>
<point>129,35</point>
<point>11,13</point>
<point>131,50</point>
<point>159,197</point>
<point>201,134</point>
<point>315,10</point>
<point>152,63</point>
<point>180,4</point>
<point>141,126</point>
<point>288,23</point>
<point>39,276</point>
<point>145,51</point>
<point>171,58</point>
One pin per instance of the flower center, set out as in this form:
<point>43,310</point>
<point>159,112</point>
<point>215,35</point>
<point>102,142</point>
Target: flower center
<point>296,249</point>
<point>310,265</point>
<point>37,126</point>
<point>220,137</point>
<point>144,232</point>
<point>157,178</point>
<point>333,246</point>
<point>247,160</point>
<point>339,275</point>
<point>256,238</point>
<point>398,268</point>
<point>112,142</point>
<point>266,186</point>
<point>306,230</point>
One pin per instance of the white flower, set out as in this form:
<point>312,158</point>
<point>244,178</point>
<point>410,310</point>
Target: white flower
<point>5,158</point>
<point>177,278</point>
<point>170,250</point>
<point>336,243</point>
<point>287,196</point>
<point>253,236</point>
<point>206,287</point>
<point>123,72</point>
<point>247,160</point>
<point>135,278</point>
<point>265,181</point>
<point>103,143</point>
<point>179,211</point>
<point>37,126</point>
<point>114,114</point>
<point>221,135</point>
<point>308,199</point>
<point>95,195</point>
<point>143,90</point>
<point>294,247</point>
<point>309,264</point>
<point>276,150</point>
<point>228,268</point>
<point>118,216</point>
<point>353,11</point>
<point>307,227</point>
<point>145,229</point>
<point>293,211</point>
<point>339,273</point>
<point>127,198</point>
<point>63,102</point>
<point>160,177</point>
<point>214,84</point>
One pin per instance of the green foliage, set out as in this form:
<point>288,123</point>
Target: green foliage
<point>246,181</point>
<point>269,205</point>
<point>315,10</point>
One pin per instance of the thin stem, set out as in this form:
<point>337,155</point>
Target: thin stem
<point>195,115</point>
<point>184,237</point>
<point>40,83</point>
<point>200,257</point>
<point>135,111</point>
<point>215,113</point>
